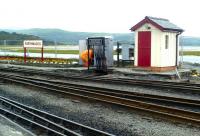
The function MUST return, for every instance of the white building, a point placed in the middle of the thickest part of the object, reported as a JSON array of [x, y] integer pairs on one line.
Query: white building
[[156, 44], [127, 52]]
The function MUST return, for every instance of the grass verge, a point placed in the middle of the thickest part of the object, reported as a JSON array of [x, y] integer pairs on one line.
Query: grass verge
[[45, 51], [194, 53]]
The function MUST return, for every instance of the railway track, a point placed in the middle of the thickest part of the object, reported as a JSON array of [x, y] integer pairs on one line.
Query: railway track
[[184, 87], [44, 123], [125, 94], [154, 83], [141, 102]]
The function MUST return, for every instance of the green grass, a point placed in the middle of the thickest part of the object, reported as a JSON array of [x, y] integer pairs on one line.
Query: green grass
[[53, 51], [31, 50], [45, 51], [194, 53], [20, 49]]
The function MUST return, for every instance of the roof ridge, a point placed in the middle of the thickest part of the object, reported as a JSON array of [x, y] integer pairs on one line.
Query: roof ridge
[[160, 23], [149, 17]]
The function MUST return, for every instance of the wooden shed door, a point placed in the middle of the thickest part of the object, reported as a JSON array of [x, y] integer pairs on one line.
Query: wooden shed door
[[144, 49]]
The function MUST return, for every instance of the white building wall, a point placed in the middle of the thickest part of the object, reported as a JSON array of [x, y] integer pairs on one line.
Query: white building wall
[[82, 47], [168, 56], [136, 49], [155, 48], [125, 51], [179, 48]]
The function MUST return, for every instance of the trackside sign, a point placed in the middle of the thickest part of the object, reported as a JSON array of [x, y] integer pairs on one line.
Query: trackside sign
[[33, 44], [99, 41]]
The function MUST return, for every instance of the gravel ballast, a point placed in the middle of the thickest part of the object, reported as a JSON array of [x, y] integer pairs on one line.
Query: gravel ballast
[[112, 119], [9, 128]]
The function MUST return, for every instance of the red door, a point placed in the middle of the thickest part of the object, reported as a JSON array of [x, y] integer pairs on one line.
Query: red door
[[144, 49]]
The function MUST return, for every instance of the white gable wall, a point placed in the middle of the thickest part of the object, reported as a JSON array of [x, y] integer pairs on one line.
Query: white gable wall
[[155, 44], [155, 48], [136, 49]]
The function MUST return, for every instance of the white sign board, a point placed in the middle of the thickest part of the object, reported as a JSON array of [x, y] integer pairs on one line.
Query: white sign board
[[33, 44]]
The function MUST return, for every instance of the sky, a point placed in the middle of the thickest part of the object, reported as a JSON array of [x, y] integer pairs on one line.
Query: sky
[[114, 16]]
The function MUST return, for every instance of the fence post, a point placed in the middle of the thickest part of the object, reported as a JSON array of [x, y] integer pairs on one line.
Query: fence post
[[4, 42], [42, 54], [24, 55], [55, 44]]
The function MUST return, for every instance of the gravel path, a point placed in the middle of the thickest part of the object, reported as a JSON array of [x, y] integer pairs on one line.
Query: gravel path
[[113, 119]]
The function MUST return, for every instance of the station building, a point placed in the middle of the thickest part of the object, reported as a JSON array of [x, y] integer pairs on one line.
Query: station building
[[156, 44]]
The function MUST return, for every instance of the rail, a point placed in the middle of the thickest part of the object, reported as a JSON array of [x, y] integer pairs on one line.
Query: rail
[[65, 127], [129, 101]]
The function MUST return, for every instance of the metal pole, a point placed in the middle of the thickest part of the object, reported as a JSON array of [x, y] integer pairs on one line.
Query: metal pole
[[24, 55], [117, 54], [88, 58]]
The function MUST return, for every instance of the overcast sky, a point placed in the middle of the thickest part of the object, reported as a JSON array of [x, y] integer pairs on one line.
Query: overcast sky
[[97, 15]]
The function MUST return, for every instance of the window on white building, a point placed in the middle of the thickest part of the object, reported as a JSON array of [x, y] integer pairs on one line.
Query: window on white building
[[166, 41]]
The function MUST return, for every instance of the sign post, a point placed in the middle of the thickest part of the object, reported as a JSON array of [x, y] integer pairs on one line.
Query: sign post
[[33, 44]]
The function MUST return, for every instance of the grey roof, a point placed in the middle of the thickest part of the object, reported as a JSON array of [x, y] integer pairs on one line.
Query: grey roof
[[165, 23]]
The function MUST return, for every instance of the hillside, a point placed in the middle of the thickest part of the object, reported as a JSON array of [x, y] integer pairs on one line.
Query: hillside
[[187, 40], [13, 38], [67, 37]]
